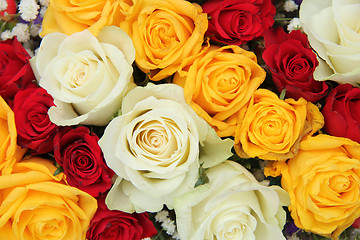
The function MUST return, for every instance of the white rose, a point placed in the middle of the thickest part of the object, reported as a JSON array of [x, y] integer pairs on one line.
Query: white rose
[[87, 76], [333, 30], [156, 148], [233, 205]]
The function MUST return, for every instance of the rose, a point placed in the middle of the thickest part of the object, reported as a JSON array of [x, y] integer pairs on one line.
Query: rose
[[80, 156], [238, 21], [341, 117], [156, 148], [86, 76], [10, 152], [70, 17], [34, 128], [292, 63], [323, 181], [332, 31], [233, 205], [273, 128], [116, 225], [218, 85], [165, 33], [37, 205], [15, 70], [356, 224]]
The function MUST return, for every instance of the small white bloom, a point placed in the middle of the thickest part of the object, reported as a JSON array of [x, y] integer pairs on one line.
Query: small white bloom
[[265, 182], [169, 226], [27, 46], [294, 24], [7, 34], [3, 5], [44, 3], [161, 216], [42, 11], [290, 6], [176, 236], [30, 52], [21, 31], [293, 237], [28, 9], [34, 30]]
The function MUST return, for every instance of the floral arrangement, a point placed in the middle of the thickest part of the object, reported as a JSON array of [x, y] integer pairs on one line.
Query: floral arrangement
[[176, 119]]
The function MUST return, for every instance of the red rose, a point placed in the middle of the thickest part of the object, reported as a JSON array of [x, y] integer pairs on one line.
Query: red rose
[[116, 225], [81, 158], [341, 112], [238, 21], [356, 224], [34, 128], [11, 8], [292, 64], [15, 70]]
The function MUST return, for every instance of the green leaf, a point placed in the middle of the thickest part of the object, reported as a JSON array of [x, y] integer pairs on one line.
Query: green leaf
[[58, 170], [282, 94], [203, 178]]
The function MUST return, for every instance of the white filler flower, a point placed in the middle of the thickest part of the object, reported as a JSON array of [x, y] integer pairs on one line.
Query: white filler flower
[[28, 9]]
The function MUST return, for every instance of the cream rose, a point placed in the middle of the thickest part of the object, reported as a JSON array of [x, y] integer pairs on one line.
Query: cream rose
[[156, 148], [233, 205], [86, 76], [332, 27]]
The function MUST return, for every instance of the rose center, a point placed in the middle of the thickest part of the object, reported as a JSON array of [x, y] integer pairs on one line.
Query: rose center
[[77, 74], [161, 33], [45, 228], [339, 183], [152, 140], [227, 83]]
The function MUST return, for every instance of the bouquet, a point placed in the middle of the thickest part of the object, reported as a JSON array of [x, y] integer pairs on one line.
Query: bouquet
[[176, 119]]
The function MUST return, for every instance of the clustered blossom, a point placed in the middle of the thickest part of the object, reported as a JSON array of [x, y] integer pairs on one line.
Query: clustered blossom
[[166, 223], [44, 3], [3, 5], [21, 31], [5, 35], [28, 9], [290, 6], [294, 24]]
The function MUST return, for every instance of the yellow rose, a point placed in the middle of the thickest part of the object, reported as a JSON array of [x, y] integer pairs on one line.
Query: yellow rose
[[219, 84], [323, 181], [69, 17], [273, 128], [164, 34], [10, 152], [36, 205]]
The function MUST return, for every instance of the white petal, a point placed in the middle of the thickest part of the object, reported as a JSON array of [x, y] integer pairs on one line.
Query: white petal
[[120, 39]]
